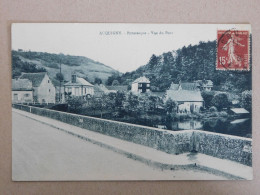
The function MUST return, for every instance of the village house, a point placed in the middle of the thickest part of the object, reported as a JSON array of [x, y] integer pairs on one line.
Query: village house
[[204, 85], [141, 85], [78, 87], [43, 89], [187, 95], [22, 91]]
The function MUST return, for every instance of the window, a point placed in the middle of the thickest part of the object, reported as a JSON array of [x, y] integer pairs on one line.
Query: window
[[49, 90], [27, 95], [48, 81]]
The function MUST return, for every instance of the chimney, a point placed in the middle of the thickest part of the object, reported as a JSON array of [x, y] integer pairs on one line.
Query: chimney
[[73, 78]]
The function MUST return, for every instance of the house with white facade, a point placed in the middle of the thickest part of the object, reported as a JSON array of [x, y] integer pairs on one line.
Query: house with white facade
[[187, 95], [22, 91], [43, 89], [141, 85], [78, 87]]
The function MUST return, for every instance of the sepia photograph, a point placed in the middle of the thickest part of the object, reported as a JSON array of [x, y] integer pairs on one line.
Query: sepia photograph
[[117, 101]]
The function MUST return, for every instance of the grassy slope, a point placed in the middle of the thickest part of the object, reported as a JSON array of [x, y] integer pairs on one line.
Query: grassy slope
[[85, 68]]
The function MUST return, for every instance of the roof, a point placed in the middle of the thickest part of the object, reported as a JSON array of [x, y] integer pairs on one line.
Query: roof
[[142, 80], [79, 82], [118, 87], [174, 86], [21, 85], [239, 111], [98, 91], [97, 88], [205, 83], [188, 86], [183, 86], [184, 95], [158, 94], [35, 78]]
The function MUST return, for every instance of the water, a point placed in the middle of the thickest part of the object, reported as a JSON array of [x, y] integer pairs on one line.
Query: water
[[238, 127]]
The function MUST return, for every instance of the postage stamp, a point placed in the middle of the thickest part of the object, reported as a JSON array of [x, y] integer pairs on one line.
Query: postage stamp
[[233, 50]]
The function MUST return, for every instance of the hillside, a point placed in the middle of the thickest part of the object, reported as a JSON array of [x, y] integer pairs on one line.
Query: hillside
[[27, 61], [188, 64]]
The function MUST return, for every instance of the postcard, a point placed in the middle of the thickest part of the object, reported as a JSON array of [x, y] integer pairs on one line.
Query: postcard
[[100, 101]]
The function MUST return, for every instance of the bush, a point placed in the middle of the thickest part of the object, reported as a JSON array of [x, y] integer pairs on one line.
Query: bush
[[223, 114], [247, 100], [75, 104], [207, 97], [220, 101], [213, 109]]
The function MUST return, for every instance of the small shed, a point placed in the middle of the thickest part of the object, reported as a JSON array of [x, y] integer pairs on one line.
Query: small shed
[[239, 112]]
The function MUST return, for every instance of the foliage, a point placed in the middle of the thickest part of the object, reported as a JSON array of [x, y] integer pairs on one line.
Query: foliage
[[246, 101], [18, 66], [220, 101], [170, 106], [97, 81], [114, 76], [188, 64], [115, 83], [223, 114], [213, 109], [207, 97], [75, 104], [132, 102], [59, 76], [119, 99], [30, 61]]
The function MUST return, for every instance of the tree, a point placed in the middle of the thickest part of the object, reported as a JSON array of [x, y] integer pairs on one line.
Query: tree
[[115, 83], [154, 101], [98, 81], [119, 100], [153, 61], [132, 102], [114, 76], [170, 106], [101, 104], [220, 101], [246, 101], [207, 97], [59, 76], [75, 104]]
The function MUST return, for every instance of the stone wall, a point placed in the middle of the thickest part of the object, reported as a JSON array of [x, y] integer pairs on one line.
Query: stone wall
[[174, 142], [234, 148], [164, 140]]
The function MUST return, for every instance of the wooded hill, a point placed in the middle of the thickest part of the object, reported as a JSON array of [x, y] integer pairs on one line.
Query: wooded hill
[[187, 64], [28, 61]]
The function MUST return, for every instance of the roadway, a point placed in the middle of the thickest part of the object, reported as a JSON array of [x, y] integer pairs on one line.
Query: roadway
[[42, 152]]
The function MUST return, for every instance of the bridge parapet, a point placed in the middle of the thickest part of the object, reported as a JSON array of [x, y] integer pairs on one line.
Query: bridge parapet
[[173, 142]]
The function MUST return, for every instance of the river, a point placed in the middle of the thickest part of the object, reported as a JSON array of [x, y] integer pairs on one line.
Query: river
[[238, 127]]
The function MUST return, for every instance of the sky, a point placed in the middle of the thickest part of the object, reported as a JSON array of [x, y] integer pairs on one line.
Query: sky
[[124, 47]]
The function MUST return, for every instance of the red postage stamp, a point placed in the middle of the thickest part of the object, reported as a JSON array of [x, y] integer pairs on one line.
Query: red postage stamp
[[233, 50]]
